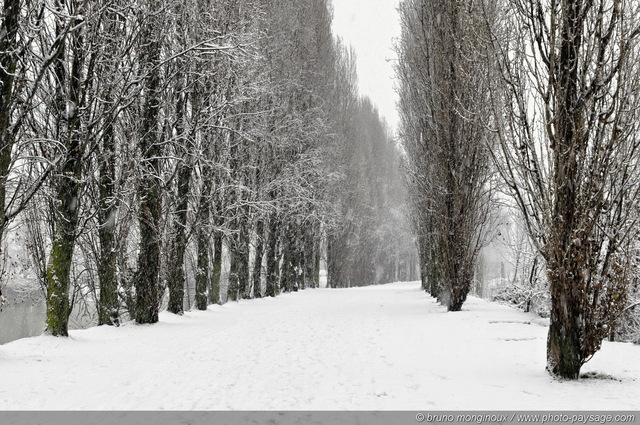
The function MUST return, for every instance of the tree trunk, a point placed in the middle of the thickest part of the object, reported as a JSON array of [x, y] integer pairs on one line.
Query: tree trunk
[[202, 273], [8, 62], [316, 264], [203, 235], [272, 260], [257, 266], [147, 277], [67, 183], [424, 270], [238, 257], [109, 303], [564, 356], [232, 286], [309, 261], [333, 278], [214, 292], [177, 279], [244, 289], [288, 278]]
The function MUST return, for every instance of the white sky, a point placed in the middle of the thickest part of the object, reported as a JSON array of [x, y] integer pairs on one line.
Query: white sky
[[371, 26]]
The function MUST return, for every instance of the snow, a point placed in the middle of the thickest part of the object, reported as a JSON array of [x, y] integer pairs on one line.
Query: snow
[[388, 347]]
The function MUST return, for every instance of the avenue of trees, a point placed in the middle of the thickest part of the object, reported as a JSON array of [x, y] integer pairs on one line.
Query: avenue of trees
[[148, 145], [544, 94], [176, 154]]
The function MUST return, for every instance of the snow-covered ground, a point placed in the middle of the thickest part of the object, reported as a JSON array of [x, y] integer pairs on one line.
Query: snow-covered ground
[[381, 348]]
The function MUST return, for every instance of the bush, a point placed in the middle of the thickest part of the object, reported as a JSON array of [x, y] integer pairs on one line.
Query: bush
[[528, 298]]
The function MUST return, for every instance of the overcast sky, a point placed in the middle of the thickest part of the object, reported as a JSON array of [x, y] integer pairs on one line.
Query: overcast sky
[[371, 26]]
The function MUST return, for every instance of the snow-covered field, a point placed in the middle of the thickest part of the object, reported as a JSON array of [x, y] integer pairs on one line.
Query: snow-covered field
[[381, 348]]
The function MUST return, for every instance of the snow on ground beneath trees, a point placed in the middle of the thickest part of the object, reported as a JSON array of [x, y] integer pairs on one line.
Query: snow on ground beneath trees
[[388, 347]]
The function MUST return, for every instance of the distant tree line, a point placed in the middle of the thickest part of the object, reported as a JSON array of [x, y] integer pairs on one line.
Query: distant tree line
[[544, 94], [143, 144]]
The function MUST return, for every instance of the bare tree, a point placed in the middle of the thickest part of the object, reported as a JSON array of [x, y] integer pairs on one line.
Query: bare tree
[[569, 154], [28, 52], [152, 16], [69, 99], [443, 100]]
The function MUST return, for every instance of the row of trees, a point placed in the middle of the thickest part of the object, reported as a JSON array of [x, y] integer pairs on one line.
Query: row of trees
[[548, 89], [144, 144], [371, 242], [443, 103]]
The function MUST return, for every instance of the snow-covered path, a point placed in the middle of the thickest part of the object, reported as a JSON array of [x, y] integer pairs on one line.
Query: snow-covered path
[[380, 348]]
